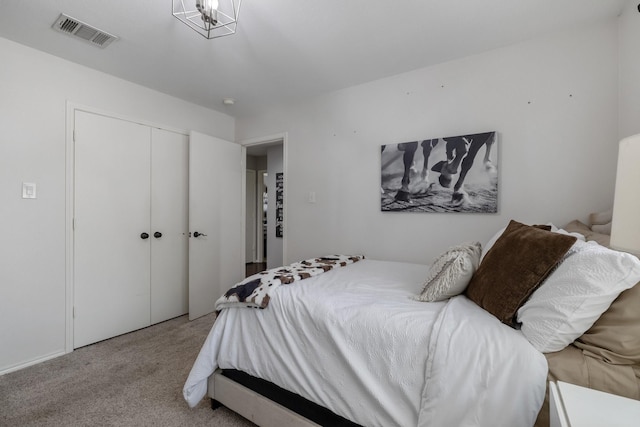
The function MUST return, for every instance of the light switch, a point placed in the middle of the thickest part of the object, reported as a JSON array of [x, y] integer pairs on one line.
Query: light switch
[[311, 198], [28, 190]]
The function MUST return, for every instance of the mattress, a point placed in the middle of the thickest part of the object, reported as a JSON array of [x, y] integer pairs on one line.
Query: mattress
[[354, 341]]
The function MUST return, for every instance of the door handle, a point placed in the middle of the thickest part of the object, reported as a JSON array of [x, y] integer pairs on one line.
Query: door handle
[[144, 236], [157, 234], [197, 234]]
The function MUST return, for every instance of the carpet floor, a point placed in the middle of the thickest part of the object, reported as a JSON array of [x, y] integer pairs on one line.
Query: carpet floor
[[134, 379]]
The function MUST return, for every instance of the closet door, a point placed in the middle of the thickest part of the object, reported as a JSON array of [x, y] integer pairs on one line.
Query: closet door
[[111, 215], [169, 225]]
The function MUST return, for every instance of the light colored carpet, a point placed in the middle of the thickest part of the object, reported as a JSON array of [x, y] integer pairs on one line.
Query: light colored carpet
[[131, 380]]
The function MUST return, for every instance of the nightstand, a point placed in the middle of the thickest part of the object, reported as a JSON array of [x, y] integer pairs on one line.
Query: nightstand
[[574, 406]]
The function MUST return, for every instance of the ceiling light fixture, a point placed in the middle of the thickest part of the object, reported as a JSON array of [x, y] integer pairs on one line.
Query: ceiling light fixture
[[209, 18]]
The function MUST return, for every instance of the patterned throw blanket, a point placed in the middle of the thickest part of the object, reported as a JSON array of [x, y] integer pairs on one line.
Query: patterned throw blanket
[[255, 291]]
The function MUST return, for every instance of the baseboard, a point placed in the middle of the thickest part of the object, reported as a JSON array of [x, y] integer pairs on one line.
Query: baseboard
[[31, 362]]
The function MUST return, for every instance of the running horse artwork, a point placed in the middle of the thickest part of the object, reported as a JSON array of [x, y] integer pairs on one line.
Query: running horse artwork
[[407, 169]]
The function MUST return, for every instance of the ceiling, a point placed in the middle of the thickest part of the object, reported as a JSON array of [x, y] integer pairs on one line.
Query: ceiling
[[288, 50]]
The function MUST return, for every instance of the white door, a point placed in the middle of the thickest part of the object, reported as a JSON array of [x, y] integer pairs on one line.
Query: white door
[[250, 222], [111, 213], [216, 260], [169, 225]]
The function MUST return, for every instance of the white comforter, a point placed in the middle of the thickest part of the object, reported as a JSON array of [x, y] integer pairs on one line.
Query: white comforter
[[353, 341]]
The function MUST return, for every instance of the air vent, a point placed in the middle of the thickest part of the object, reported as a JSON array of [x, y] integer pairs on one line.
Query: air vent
[[73, 27]]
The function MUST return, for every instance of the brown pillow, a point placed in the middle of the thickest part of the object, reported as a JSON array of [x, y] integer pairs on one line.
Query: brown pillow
[[615, 337], [514, 267]]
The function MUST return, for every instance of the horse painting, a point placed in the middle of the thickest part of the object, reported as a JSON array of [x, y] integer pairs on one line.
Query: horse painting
[[407, 183]]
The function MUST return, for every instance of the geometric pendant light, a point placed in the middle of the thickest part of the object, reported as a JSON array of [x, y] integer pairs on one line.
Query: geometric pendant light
[[209, 18]]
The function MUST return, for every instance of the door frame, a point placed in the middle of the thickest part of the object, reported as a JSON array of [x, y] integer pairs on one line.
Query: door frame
[[71, 108], [261, 140]]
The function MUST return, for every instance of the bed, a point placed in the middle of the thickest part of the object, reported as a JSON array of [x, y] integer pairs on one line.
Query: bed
[[378, 343]]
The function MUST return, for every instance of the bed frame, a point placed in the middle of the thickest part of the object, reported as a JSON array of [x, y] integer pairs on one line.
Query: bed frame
[[252, 405], [266, 404]]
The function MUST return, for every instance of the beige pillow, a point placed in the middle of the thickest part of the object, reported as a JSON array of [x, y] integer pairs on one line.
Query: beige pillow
[[451, 272], [576, 226], [514, 267], [615, 337]]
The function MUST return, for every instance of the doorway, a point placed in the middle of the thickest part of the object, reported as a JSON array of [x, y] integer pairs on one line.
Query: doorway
[[264, 240]]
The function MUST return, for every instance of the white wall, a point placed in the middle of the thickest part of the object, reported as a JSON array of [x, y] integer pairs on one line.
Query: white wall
[[274, 244], [553, 100], [34, 89], [629, 70]]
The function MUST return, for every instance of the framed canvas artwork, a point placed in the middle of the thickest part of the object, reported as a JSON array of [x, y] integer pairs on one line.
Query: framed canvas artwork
[[451, 174]]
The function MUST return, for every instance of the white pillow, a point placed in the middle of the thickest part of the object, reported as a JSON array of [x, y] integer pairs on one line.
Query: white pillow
[[574, 296], [451, 272], [568, 233], [491, 242]]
